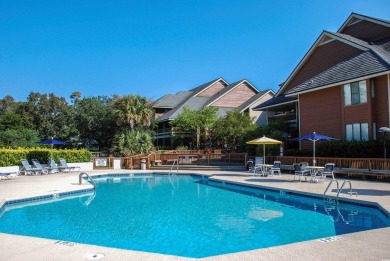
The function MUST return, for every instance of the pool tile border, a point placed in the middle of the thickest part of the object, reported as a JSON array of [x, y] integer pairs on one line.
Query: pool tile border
[[372, 205]]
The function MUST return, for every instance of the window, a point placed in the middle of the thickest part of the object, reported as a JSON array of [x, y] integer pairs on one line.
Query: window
[[374, 130], [355, 93], [372, 89], [356, 131]]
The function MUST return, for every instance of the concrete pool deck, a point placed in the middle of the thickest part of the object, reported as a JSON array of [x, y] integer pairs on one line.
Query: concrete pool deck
[[368, 245]]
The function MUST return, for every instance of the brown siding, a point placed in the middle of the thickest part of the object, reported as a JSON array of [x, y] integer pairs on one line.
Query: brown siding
[[320, 112], [367, 31], [324, 57], [380, 104], [213, 89], [358, 113], [236, 97]]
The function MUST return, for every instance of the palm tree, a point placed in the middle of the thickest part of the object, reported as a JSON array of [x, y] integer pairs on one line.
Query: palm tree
[[133, 111]]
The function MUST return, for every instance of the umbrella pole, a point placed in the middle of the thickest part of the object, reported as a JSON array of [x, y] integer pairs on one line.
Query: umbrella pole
[[263, 153], [314, 153]]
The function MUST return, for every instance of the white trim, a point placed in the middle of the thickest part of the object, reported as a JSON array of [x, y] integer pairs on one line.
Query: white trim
[[219, 79], [339, 83], [249, 105], [388, 95], [312, 49], [346, 41], [361, 17], [299, 122]]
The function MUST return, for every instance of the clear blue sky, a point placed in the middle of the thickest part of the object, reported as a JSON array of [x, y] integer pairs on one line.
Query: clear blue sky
[[153, 48]]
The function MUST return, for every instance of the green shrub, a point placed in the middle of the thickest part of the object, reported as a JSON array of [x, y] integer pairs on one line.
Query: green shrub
[[182, 148], [351, 149], [12, 157]]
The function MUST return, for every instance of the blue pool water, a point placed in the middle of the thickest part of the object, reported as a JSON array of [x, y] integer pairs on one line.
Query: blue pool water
[[184, 216]]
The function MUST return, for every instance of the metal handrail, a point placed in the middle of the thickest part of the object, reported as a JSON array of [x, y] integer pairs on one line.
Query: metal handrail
[[350, 188], [177, 166], [330, 183], [81, 179]]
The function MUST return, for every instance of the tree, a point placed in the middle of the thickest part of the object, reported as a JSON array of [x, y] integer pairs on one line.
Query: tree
[[231, 129], [133, 111], [18, 138], [51, 116], [95, 120], [197, 123], [130, 142]]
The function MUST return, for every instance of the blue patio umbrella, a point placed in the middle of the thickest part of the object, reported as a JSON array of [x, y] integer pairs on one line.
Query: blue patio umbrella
[[314, 137], [52, 142]]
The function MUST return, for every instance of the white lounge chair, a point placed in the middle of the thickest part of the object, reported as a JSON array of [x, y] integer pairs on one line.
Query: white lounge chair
[[64, 166], [53, 167], [27, 169], [38, 165]]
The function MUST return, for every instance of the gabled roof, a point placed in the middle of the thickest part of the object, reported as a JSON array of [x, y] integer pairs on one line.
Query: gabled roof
[[354, 18], [228, 89], [171, 100], [193, 103], [379, 48], [275, 101], [255, 98], [207, 85], [361, 65]]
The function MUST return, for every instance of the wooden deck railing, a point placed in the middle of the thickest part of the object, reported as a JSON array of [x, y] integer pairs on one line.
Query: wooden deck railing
[[353, 163], [216, 157]]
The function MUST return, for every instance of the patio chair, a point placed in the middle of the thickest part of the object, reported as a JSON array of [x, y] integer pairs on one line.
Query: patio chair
[[276, 168], [65, 167], [38, 165], [301, 172], [328, 171], [27, 169], [252, 165]]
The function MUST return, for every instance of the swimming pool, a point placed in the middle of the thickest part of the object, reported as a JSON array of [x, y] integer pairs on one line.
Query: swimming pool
[[185, 216]]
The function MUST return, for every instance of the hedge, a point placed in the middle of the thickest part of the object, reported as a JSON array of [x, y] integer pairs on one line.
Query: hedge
[[12, 157]]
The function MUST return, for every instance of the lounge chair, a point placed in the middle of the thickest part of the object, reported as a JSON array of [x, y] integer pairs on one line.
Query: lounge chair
[[65, 167], [328, 171], [53, 167], [38, 165], [9, 175], [27, 169], [276, 168], [301, 172]]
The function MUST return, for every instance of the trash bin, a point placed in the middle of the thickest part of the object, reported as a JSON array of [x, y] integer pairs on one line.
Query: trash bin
[[143, 164], [117, 163]]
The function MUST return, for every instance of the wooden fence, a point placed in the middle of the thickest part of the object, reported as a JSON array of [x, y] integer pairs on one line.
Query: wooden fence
[[216, 158], [353, 163]]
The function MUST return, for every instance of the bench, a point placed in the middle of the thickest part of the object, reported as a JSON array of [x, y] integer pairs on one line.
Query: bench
[[156, 162]]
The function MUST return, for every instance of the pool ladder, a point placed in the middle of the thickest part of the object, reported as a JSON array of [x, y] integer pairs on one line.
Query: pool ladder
[[177, 166], [86, 174], [350, 193]]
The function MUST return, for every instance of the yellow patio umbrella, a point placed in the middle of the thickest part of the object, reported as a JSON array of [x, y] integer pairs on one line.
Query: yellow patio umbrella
[[264, 141]]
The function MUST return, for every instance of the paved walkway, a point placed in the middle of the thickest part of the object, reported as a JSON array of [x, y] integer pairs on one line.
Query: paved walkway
[[368, 245]]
